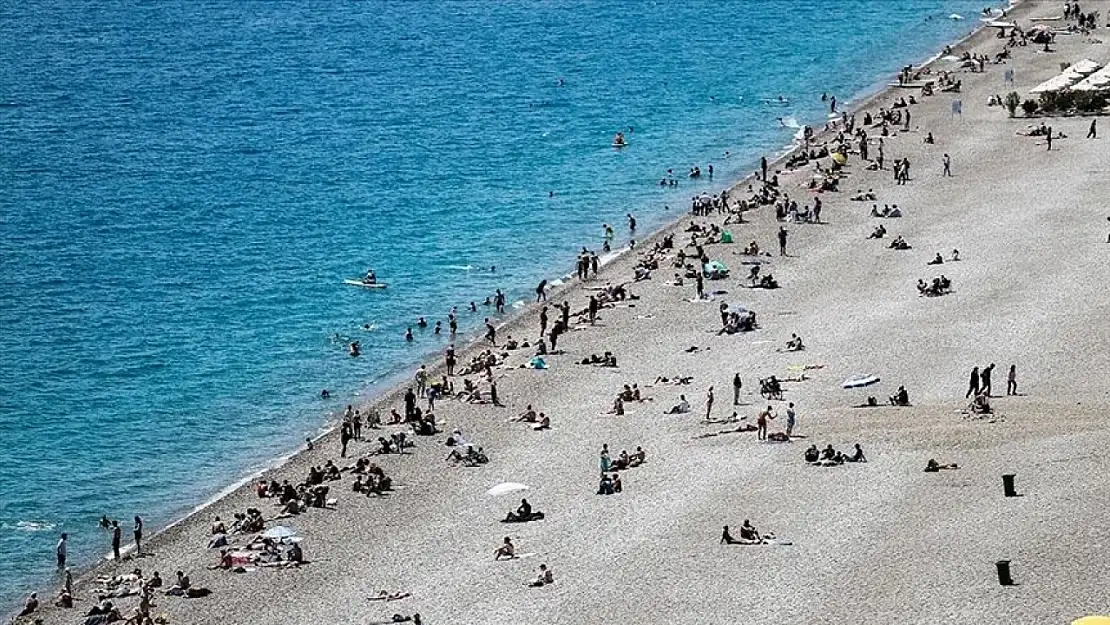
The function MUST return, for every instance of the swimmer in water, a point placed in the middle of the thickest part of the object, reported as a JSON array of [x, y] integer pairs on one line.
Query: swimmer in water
[[408, 335], [438, 328], [473, 308], [421, 323]]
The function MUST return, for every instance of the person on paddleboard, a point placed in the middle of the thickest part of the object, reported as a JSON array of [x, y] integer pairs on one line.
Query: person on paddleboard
[[371, 277]]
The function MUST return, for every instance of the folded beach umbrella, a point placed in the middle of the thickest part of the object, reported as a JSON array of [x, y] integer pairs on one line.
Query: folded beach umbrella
[[279, 532], [1092, 620], [860, 381], [505, 488]]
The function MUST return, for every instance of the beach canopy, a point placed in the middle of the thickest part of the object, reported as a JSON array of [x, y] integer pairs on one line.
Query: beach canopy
[[1092, 620], [505, 488], [279, 532]]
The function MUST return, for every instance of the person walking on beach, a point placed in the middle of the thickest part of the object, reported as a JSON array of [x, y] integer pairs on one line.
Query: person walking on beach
[[973, 383], [763, 167], [782, 240], [947, 166], [137, 531], [345, 436], [62, 550], [117, 537], [985, 379], [541, 291], [737, 384], [543, 321], [708, 403], [1092, 132], [1011, 381], [491, 332]]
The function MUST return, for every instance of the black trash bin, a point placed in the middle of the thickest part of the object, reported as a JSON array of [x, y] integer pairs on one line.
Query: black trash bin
[[1008, 485], [1004, 578]]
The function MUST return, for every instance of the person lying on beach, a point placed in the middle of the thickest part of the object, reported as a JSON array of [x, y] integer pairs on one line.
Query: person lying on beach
[[933, 466], [675, 380], [385, 595], [402, 618], [543, 578], [507, 550], [682, 407]]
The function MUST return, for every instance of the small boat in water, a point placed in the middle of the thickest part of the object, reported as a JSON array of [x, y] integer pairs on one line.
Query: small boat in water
[[366, 285]]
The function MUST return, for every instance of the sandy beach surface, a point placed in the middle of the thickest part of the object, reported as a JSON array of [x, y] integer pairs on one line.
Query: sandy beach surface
[[876, 542]]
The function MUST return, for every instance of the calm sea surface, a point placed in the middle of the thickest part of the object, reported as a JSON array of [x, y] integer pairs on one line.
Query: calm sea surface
[[184, 186]]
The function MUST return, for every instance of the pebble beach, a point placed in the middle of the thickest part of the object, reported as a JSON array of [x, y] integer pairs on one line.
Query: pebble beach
[[875, 542]]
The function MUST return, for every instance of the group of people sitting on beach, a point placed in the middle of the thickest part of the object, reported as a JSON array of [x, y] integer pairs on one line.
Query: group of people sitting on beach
[[830, 457], [939, 286], [748, 536], [888, 212], [540, 420]]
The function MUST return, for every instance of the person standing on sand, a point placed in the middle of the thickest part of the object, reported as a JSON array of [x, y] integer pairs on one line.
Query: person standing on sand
[[421, 379], [117, 538], [973, 383], [1049, 138], [985, 379], [737, 384], [761, 423], [543, 321], [708, 403], [1092, 132], [541, 291], [604, 460], [62, 550], [700, 284], [947, 166], [782, 240], [449, 359], [137, 531], [791, 419], [345, 436], [593, 309], [491, 332], [566, 315], [763, 167], [1011, 381]]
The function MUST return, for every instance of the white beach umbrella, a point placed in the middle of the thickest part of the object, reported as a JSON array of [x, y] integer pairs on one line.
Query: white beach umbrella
[[279, 532], [505, 488]]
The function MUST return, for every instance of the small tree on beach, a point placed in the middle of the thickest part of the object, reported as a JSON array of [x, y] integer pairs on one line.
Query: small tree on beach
[[1013, 101], [1030, 107]]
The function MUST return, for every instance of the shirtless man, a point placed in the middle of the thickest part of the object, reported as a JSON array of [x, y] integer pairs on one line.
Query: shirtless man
[[761, 423], [506, 550]]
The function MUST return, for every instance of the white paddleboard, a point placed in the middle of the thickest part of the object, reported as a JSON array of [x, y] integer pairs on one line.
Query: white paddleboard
[[365, 285]]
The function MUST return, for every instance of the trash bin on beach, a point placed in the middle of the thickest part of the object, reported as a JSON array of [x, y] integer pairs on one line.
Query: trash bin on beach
[[1004, 578], [1008, 485]]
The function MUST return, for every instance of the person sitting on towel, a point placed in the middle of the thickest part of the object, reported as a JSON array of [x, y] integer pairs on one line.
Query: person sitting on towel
[[878, 233], [506, 550], [938, 260], [682, 407], [749, 533], [900, 398], [812, 454]]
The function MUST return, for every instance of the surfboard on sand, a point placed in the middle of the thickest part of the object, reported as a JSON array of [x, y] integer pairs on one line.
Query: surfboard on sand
[[366, 285]]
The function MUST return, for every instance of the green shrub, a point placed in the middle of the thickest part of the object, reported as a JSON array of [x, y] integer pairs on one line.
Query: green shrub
[[1048, 102], [1012, 101]]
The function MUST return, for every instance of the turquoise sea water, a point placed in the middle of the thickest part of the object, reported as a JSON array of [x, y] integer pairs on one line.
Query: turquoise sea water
[[183, 187]]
